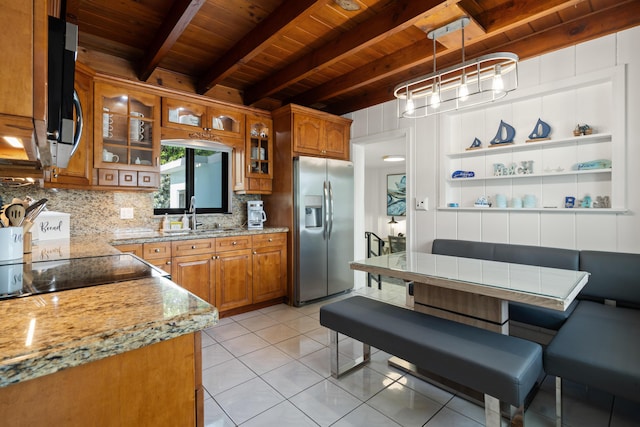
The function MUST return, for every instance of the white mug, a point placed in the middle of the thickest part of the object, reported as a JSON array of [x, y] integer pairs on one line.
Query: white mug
[[11, 242], [108, 156]]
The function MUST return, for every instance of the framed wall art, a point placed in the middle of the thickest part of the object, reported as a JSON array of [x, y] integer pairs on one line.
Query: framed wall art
[[397, 194]]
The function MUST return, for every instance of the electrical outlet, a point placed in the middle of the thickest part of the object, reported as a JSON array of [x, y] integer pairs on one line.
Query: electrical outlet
[[126, 213], [422, 205]]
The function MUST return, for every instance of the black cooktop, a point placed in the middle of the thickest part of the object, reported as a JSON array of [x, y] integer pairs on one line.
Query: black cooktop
[[25, 279]]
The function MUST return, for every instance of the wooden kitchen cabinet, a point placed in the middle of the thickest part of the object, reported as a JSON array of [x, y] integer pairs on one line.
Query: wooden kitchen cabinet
[[23, 77], [313, 133], [233, 279], [159, 255], [216, 122], [235, 273], [132, 248], [126, 137], [269, 266], [254, 165], [79, 172], [193, 266], [158, 384], [197, 274]]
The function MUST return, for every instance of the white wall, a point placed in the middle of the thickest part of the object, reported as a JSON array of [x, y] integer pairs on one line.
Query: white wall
[[602, 231]]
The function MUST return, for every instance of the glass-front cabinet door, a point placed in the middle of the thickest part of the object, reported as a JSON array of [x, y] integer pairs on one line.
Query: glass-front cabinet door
[[125, 130], [183, 115], [182, 119], [259, 148]]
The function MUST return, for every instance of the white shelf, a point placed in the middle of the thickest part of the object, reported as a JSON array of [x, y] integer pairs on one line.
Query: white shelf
[[554, 210], [596, 137], [534, 175]]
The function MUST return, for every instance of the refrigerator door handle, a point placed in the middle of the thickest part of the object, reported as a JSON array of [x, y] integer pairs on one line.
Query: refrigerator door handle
[[330, 203], [325, 200]]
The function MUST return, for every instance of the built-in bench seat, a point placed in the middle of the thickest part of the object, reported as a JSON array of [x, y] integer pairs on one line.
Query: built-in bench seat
[[596, 342], [598, 345], [502, 367]]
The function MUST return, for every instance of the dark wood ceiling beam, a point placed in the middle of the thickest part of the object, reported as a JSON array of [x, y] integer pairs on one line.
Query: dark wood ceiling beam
[[255, 41], [394, 18], [402, 60], [511, 14], [607, 21], [176, 21], [422, 51]]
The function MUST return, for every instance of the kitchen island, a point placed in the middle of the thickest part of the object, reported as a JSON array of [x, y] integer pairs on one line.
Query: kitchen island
[[124, 353]]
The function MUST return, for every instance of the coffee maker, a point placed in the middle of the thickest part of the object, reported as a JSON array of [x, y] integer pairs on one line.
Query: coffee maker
[[255, 215]]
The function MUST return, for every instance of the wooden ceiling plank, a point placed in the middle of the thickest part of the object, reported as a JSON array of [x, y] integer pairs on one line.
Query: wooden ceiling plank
[[624, 15], [180, 15], [399, 61], [396, 17], [413, 56], [255, 41], [511, 14]]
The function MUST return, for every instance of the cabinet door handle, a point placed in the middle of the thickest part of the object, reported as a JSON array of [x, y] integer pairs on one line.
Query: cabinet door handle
[[168, 262], [215, 257], [270, 239], [255, 252], [234, 243], [156, 250], [193, 246]]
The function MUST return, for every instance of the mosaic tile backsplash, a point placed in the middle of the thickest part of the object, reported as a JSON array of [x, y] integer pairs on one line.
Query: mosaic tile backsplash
[[98, 212]]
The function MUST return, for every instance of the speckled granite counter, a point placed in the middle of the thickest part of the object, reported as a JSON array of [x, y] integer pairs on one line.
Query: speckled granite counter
[[45, 333], [148, 236]]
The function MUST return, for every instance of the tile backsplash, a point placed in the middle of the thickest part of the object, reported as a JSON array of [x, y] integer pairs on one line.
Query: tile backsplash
[[98, 212]]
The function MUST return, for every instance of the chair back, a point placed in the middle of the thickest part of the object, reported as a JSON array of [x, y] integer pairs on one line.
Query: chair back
[[397, 244]]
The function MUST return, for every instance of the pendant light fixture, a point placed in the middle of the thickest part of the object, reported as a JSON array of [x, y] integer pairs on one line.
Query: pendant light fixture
[[470, 83]]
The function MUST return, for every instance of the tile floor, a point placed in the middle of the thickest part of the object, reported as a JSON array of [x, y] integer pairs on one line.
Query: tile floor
[[270, 367]]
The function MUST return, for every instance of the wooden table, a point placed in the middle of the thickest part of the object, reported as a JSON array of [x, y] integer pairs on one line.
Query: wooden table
[[475, 291]]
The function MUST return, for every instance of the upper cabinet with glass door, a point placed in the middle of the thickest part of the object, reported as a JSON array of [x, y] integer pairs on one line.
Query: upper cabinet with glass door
[[189, 120], [125, 128]]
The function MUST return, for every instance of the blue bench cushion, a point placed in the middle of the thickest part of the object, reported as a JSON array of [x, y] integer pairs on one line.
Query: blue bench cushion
[[463, 248], [598, 346], [614, 276], [540, 316], [501, 366]]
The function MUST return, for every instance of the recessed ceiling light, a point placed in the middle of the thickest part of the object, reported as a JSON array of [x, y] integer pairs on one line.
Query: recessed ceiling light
[[14, 142], [349, 5], [393, 158]]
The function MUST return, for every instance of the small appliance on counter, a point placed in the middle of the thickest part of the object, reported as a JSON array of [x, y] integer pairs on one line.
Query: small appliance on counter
[[255, 215]]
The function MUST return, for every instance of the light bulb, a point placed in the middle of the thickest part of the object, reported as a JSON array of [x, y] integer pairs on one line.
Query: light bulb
[[410, 108], [435, 98], [498, 84], [463, 92]]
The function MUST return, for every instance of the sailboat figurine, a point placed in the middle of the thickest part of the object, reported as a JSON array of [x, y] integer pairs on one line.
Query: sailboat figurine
[[540, 132], [475, 145], [505, 135]]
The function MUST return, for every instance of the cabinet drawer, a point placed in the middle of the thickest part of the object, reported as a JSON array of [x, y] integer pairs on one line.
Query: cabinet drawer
[[233, 243], [133, 248], [270, 239], [127, 178], [148, 179], [107, 177], [193, 247], [156, 250]]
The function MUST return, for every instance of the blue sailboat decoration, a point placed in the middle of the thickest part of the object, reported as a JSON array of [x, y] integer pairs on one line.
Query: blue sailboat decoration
[[540, 132], [475, 145], [506, 134]]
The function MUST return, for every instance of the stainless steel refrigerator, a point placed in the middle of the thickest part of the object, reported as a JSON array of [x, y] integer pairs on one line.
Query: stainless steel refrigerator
[[323, 227]]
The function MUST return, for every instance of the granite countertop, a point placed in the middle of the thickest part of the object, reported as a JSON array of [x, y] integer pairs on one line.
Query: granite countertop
[[150, 236], [45, 333]]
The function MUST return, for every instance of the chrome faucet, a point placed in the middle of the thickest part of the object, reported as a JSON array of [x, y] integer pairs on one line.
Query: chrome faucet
[[192, 211]]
